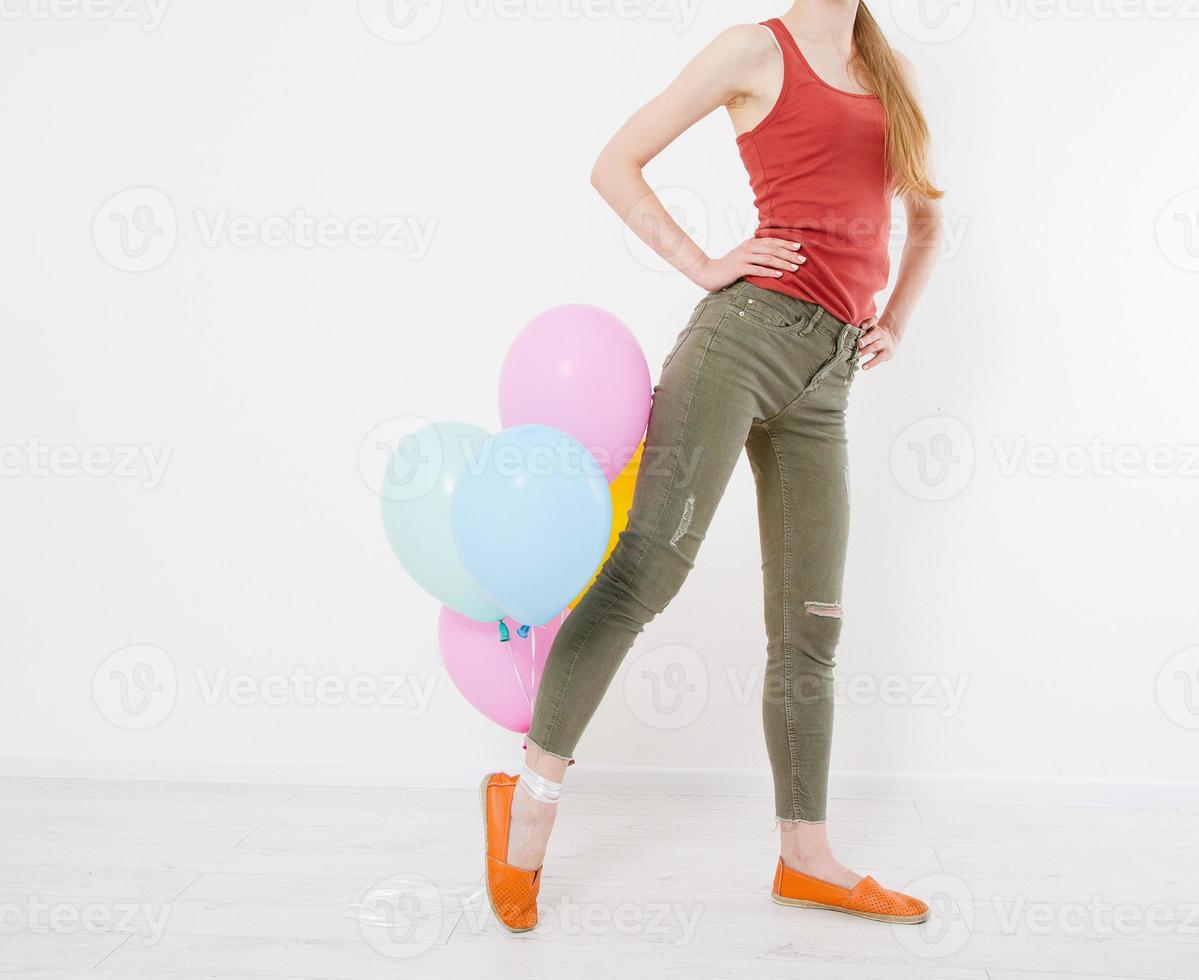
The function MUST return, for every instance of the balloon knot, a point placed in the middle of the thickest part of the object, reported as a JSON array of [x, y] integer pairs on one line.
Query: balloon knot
[[523, 632], [504, 637]]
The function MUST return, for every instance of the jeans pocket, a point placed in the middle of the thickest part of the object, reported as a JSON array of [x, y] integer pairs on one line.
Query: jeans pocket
[[758, 312]]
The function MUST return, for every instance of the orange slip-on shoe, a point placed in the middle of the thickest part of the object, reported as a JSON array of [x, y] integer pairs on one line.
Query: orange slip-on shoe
[[511, 891], [867, 898]]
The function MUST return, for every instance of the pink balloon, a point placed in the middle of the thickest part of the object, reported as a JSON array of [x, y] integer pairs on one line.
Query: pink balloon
[[499, 679], [579, 369]]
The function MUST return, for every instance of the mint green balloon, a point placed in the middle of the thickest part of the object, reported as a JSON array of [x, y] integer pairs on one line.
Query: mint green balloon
[[417, 491]]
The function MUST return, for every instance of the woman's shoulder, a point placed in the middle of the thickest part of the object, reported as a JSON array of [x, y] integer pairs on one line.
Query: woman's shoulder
[[745, 43]]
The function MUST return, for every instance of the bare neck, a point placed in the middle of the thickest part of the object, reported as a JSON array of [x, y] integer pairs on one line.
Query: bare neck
[[825, 21]]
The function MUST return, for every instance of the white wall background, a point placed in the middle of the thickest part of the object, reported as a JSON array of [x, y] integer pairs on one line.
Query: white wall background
[[1063, 317]]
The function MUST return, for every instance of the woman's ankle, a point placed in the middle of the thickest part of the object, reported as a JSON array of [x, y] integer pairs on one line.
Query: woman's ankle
[[805, 847], [824, 867], [529, 831]]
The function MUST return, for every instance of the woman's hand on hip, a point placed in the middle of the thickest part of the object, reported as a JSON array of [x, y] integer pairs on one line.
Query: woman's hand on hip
[[769, 257], [878, 343]]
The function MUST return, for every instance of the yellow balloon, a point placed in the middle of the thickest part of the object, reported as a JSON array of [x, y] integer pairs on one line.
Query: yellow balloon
[[622, 502]]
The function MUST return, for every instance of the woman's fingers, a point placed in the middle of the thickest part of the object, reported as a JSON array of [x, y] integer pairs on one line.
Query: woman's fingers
[[777, 243], [777, 250], [761, 270], [877, 358], [871, 340], [774, 261]]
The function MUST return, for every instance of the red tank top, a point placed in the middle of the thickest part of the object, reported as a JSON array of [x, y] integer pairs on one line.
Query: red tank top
[[817, 165]]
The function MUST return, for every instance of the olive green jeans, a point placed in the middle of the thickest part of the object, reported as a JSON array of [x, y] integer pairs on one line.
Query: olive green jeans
[[762, 371]]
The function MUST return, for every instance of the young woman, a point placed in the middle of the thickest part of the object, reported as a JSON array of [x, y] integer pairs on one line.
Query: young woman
[[830, 131]]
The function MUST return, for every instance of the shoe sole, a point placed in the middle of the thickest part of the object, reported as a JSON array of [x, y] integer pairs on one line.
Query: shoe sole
[[486, 854], [898, 919]]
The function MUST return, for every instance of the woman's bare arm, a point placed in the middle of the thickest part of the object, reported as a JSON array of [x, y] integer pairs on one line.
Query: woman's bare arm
[[716, 77], [920, 252]]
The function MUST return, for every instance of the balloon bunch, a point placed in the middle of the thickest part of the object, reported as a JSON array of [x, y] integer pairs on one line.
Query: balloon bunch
[[507, 530]]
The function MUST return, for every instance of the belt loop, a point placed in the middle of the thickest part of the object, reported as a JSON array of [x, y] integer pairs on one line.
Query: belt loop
[[813, 320]]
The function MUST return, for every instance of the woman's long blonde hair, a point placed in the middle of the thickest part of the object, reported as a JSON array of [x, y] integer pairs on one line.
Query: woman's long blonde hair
[[907, 130]]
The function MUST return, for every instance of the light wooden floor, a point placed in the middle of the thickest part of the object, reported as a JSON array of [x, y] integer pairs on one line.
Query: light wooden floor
[[227, 882]]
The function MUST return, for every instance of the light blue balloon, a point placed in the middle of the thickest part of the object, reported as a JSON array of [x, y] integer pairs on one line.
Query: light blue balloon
[[532, 523], [417, 492]]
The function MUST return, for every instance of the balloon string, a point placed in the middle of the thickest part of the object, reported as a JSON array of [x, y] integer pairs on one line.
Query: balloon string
[[519, 680], [529, 691], [532, 664]]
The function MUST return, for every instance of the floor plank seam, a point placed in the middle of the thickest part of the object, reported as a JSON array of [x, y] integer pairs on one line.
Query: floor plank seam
[[252, 832], [188, 886], [457, 922], [97, 966], [937, 855]]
